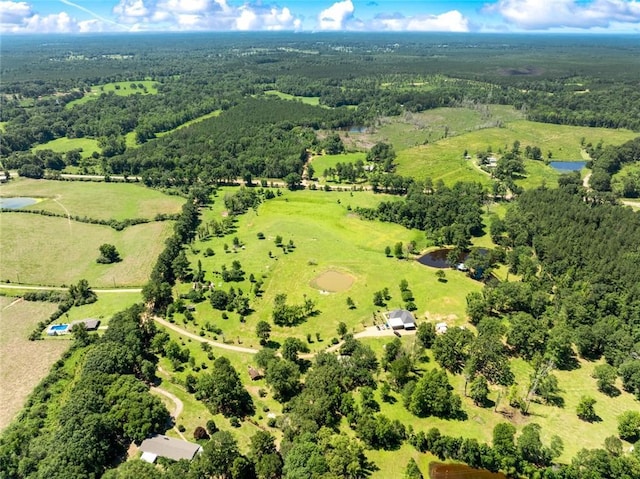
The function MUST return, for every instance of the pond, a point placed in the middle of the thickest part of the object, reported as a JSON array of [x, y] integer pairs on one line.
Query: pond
[[567, 166], [16, 202], [436, 259], [460, 471], [355, 129]]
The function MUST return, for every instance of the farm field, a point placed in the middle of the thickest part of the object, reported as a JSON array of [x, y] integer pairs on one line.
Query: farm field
[[68, 251], [445, 160], [62, 145], [98, 200], [23, 363], [323, 162], [122, 88]]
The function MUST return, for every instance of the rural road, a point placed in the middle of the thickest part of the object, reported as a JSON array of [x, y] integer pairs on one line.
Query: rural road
[[370, 332], [216, 344], [60, 288]]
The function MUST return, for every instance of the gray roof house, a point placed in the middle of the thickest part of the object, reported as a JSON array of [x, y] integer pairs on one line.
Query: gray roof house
[[401, 319], [90, 324], [164, 446]]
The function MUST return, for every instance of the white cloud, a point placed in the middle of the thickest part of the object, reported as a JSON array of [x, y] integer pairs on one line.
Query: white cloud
[[544, 14], [14, 12], [337, 16], [19, 17], [203, 15], [452, 21]]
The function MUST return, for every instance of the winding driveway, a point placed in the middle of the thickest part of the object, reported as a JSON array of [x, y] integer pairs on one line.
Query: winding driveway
[[370, 332], [179, 406]]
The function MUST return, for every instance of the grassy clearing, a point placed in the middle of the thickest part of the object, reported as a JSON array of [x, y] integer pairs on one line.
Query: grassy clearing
[[444, 159], [23, 363], [414, 129], [121, 88], [327, 236], [62, 145], [323, 162], [94, 199], [107, 305], [68, 251], [308, 100], [213, 114]]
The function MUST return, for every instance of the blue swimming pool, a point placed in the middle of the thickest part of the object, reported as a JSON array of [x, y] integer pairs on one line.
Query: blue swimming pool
[[58, 328]]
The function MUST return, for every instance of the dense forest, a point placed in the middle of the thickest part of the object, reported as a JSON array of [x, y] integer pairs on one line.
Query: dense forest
[[573, 252]]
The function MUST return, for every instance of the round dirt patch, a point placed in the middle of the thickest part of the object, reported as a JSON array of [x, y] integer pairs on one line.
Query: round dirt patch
[[333, 281]]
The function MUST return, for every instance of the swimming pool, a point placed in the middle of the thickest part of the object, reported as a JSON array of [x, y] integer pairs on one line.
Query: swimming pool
[[58, 329]]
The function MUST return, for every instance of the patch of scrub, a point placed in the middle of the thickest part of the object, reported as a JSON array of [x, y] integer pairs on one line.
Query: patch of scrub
[[332, 281]]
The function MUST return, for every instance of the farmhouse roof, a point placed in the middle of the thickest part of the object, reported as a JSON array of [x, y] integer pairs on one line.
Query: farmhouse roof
[[254, 374], [90, 324], [170, 448], [403, 314]]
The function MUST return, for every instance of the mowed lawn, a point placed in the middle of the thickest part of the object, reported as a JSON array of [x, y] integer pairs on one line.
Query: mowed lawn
[[97, 200], [445, 159], [327, 237], [23, 363], [53, 251], [62, 145]]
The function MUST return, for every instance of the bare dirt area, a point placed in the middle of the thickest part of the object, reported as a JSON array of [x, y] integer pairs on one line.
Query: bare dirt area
[[23, 363], [333, 281]]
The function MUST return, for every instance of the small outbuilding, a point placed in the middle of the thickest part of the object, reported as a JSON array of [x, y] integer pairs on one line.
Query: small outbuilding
[[255, 374], [164, 446], [441, 328], [401, 319]]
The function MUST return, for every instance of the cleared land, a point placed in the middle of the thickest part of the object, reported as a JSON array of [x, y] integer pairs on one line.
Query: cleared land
[[98, 200], [62, 145], [122, 88], [53, 251], [23, 363], [327, 236], [309, 100], [445, 158]]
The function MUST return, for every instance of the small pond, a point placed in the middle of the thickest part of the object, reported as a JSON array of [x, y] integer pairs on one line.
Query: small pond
[[460, 471], [355, 129], [566, 166], [436, 259], [17, 202]]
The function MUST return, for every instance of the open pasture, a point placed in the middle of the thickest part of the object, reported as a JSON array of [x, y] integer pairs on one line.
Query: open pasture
[[308, 100], [445, 159], [53, 251], [323, 162], [327, 236], [23, 363], [62, 145], [121, 88], [414, 129], [98, 200]]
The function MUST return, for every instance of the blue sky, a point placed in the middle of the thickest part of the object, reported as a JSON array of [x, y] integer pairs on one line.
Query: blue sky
[[553, 16]]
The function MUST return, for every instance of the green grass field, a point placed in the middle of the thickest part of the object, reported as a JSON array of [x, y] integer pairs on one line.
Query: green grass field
[[327, 236], [122, 88], [444, 159], [53, 251], [98, 200], [62, 145], [322, 162], [414, 129], [309, 100]]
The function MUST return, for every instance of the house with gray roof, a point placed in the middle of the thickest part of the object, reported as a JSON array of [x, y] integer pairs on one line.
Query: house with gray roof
[[164, 446], [401, 319]]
